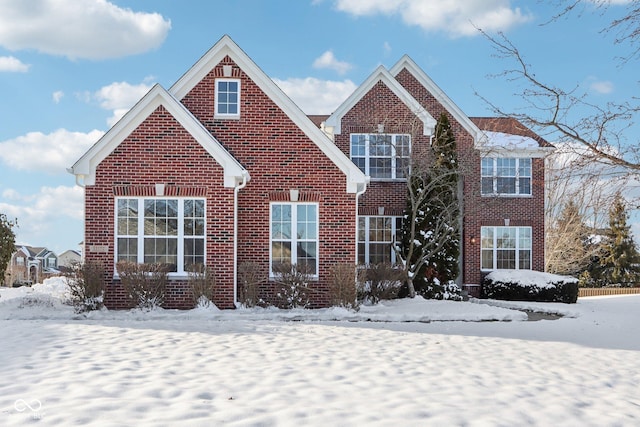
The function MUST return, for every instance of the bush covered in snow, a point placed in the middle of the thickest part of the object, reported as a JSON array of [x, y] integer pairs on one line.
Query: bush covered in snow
[[529, 285], [202, 281], [380, 282], [145, 284], [86, 286], [293, 284], [443, 291]]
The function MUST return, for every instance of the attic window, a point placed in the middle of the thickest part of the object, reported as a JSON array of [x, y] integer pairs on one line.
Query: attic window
[[227, 98]]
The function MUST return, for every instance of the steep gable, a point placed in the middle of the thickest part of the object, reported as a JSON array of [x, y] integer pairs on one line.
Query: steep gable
[[406, 63], [380, 75], [226, 48], [85, 168]]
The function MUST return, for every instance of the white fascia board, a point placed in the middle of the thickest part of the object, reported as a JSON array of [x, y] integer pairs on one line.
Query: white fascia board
[[381, 74], [434, 89], [226, 46], [86, 166], [513, 152]]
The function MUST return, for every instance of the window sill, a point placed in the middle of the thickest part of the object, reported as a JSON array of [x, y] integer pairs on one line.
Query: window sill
[[226, 116], [508, 196]]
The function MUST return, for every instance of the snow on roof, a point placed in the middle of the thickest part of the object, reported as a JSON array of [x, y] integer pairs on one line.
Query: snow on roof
[[506, 140]]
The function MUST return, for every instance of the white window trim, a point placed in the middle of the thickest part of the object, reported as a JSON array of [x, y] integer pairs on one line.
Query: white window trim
[[294, 239], [516, 249], [494, 177], [140, 242], [394, 157], [218, 115], [367, 242]]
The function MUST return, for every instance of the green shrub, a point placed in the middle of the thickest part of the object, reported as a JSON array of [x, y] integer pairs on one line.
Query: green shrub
[[441, 291], [144, 284], [86, 286], [528, 285]]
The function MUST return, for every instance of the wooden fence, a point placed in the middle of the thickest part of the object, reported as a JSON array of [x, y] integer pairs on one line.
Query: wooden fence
[[596, 292]]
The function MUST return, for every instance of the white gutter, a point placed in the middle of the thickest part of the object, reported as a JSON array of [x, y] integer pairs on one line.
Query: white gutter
[[236, 190]]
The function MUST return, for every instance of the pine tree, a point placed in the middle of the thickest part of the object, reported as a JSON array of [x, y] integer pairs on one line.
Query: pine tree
[[571, 235], [620, 264], [7, 242]]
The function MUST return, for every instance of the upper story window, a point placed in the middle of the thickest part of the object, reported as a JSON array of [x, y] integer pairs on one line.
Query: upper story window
[[161, 231], [51, 262], [20, 260], [375, 238], [227, 98], [506, 176], [506, 248], [381, 156]]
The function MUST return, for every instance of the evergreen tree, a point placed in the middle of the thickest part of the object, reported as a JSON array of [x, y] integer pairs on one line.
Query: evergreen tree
[[431, 229], [7, 242], [621, 261], [571, 235]]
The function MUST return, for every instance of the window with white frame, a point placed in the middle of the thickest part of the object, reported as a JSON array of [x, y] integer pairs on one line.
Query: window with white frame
[[506, 176], [20, 260], [381, 156], [51, 262], [294, 235], [375, 237], [227, 98], [506, 248], [169, 231]]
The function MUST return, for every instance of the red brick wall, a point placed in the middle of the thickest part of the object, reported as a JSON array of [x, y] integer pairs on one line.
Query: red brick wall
[[279, 157], [478, 210], [161, 151], [381, 106]]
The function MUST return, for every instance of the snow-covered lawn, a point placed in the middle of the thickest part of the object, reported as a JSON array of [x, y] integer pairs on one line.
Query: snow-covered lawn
[[384, 365]]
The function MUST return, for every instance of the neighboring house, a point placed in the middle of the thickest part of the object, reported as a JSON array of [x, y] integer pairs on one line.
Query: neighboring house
[[68, 258], [224, 169], [30, 265]]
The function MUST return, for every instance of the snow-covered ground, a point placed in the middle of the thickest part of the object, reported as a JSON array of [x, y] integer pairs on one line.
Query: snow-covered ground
[[402, 363]]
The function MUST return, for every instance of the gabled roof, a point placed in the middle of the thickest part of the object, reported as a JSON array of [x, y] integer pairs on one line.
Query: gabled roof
[[381, 75], [85, 167], [227, 47], [508, 137], [407, 63]]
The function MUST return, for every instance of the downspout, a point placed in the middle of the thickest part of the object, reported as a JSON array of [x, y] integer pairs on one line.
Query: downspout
[[236, 190], [358, 194]]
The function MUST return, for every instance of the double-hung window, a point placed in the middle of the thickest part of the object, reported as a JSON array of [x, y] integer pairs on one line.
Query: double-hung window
[[375, 237], [506, 248], [168, 231], [506, 176], [294, 236], [227, 98], [381, 156]]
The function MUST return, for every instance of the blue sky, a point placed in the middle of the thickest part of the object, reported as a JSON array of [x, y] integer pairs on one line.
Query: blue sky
[[70, 68]]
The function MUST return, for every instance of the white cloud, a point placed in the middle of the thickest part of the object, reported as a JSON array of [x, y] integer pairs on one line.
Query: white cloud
[[93, 29], [47, 217], [51, 153], [328, 60], [455, 17], [12, 64], [120, 97], [316, 96], [602, 87], [57, 96]]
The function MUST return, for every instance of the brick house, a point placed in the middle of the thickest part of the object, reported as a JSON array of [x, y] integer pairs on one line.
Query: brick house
[[224, 169], [29, 265]]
